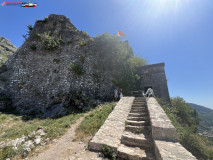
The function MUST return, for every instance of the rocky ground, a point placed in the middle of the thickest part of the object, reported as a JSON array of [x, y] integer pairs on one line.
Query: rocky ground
[[66, 148]]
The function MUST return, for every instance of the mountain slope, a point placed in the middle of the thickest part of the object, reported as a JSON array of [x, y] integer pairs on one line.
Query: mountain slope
[[6, 49], [206, 115], [186, 120]]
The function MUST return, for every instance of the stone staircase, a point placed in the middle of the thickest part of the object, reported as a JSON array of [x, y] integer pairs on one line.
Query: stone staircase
[[136, 141]]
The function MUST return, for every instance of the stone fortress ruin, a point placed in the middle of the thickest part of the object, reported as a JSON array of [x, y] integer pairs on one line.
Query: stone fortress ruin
[[41, 81], [153, 76]]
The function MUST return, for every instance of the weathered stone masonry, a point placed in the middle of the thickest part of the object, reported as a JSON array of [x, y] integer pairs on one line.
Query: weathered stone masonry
[[163, 133], [153, 76], [39, 81]]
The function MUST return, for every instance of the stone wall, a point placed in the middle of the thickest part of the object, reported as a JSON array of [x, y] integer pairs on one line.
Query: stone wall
[[164, 135], [154, 76], [111, 131], [39, 80]]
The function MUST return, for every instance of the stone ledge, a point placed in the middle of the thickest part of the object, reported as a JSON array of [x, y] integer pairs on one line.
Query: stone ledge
[[164, 135], [171, 151], [111, 131], [162, 128]]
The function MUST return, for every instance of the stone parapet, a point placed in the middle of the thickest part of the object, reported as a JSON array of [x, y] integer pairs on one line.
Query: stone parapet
[[171, 151], [162, 128], [111, 131], [164, 135]]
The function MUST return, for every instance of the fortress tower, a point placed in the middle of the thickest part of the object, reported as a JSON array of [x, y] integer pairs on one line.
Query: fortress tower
[[153, 76]]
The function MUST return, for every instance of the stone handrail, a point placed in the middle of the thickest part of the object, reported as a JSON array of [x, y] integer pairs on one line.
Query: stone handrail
[[111, 131], [162, 128], [164, 134]]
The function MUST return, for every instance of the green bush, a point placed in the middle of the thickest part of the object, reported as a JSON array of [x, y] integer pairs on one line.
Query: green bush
[[85, 33], [83, 43], [50, 42], [7, 152], [33, 47], [77, 68], [186, 119], [82, 59], [108, 152], [45, 19], [56, 60], [117, 58], [30, 28]]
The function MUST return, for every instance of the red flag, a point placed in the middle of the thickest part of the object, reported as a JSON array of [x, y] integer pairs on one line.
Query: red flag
[[121, 34]]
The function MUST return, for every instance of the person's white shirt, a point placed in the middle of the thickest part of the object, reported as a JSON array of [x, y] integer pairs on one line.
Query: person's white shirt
[[116, 92]]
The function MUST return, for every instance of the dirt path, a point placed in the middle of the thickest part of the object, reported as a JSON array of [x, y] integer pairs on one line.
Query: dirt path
[[66, 149]]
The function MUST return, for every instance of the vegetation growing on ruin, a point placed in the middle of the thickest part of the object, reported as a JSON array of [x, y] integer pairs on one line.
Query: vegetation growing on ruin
[[92, 122], [117, 57], [33, 47], [185, 119], [76, 68], [85, 33], [49, 42], [29, 30], [108, 152]]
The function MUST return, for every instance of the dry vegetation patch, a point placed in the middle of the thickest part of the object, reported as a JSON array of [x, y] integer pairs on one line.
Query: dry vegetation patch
[[92, 122]]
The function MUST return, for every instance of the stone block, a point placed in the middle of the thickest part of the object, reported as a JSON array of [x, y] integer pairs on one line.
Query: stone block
[[171, 151], [111, 131], [162, 128]]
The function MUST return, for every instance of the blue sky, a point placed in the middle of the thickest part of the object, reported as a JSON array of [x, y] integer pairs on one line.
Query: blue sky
[[176, 32]]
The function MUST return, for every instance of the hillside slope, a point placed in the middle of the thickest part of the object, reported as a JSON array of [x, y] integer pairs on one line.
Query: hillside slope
[[206, 125], [6, 49], [186, 121]]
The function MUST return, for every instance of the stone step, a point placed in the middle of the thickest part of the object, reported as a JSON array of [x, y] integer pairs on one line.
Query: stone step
[[140, 98], [137, 129], [138, 114], [141, 101], [133, 153], [140, 118], [142, 107], [138, 105], [139, 111], [137, 123], [136, 140]]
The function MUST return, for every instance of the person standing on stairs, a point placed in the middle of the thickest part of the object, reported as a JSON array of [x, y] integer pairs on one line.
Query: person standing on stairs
[[121, 93], [116, 94], [150, 93]]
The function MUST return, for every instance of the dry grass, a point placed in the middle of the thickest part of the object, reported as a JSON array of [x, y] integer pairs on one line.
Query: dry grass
[[12, 127], [92, 122]]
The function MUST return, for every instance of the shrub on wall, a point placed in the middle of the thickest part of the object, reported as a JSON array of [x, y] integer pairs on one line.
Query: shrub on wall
[[76, 68], [33, 47], [50, 42]]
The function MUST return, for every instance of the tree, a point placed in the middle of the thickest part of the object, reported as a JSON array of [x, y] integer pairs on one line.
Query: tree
[[117, 57]]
